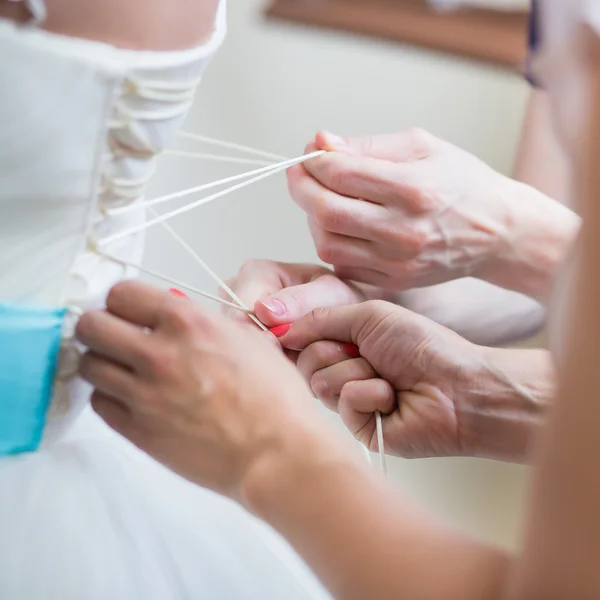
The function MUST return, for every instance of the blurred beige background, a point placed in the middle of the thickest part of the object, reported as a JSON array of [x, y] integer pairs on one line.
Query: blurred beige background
[[273, 86]]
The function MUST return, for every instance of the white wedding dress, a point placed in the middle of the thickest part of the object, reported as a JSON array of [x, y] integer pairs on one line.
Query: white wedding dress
[[83, 514]]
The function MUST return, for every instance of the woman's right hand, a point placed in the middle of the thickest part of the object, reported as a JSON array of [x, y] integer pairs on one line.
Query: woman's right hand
[[281, 293]]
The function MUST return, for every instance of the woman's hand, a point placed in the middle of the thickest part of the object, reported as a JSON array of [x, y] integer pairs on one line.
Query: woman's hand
[[409, 210], [207, 397], [281, 293], [439, 394]]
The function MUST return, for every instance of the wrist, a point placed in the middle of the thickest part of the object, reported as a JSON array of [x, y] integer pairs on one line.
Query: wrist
[[542, 231], [282, 477], [507, 396]]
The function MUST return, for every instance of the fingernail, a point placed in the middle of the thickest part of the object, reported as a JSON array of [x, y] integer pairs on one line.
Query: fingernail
[[179, 293], [274, 306], [352, 350], [280, 330], [335, 140]]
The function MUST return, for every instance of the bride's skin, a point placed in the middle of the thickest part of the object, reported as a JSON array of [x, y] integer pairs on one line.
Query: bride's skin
[[132, 24]]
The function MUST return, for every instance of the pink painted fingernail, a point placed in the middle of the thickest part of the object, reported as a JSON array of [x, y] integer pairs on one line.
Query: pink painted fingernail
[[178, 293], [280, 330]]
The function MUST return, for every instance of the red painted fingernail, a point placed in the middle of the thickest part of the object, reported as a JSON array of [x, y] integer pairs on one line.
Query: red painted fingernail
[[179, 293], [280, 330], [352, 350]]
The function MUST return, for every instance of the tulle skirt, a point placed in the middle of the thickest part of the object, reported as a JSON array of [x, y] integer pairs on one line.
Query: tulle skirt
[[92, 518]]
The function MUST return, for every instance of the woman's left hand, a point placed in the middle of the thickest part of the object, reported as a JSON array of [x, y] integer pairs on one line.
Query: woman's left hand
[[209, 398]]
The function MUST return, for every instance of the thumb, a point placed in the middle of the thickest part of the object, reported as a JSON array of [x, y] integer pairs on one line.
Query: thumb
[[405, 146], [293, 303], [345, 324], [340, 324]]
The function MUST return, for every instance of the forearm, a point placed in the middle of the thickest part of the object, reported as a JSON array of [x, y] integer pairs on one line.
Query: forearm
[[360, 536], [477, 310], [548, 227], [507, 397], [541, 161]]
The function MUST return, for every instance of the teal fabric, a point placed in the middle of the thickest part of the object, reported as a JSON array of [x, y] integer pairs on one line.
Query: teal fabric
[[29, 345]]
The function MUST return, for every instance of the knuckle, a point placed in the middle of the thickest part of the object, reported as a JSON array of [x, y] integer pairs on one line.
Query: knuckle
[[375, 312], [322, 241], [426, 199], [101, 408], [326, 215], [128, 391], [327, 253], [347, 394], [320, 314], [291, 176], [119, 293], [253, 265], [319, 385], [163, 361], [330, 281], [421, 140], [88, 324], [322, 390], [331, 174], [296, 177], [413, 241], [320, 212], [326, 353], [413, 195], [377, 307], [96, 400], [410, 271], [83, 325], [261, 271], [180, 317], [148, 400], [330, 251], [296, 301], [367, 145]]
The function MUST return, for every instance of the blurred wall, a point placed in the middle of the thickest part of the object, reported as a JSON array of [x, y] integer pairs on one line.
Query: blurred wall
[[273, 86]]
